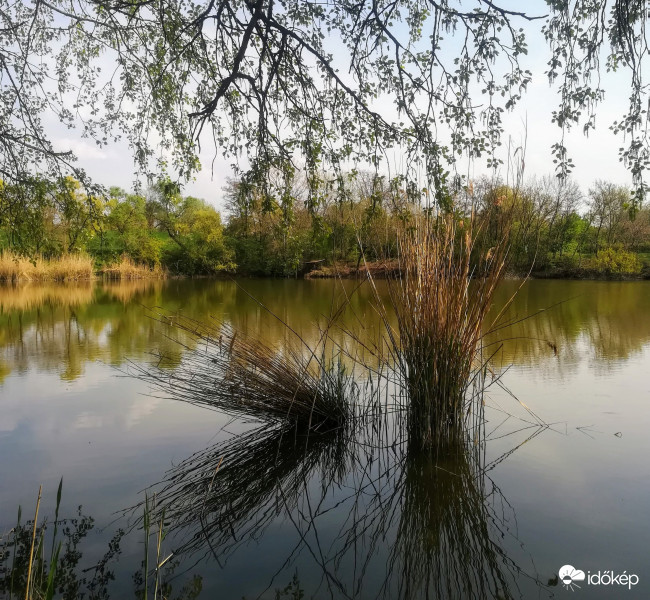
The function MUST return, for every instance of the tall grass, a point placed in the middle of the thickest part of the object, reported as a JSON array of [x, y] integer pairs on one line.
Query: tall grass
[[243, 376], [14, 268], [32, 575], [128, 269], [440, 299]]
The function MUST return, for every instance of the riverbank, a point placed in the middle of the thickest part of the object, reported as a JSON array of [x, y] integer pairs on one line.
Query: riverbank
[[385, 269], [81, 267]]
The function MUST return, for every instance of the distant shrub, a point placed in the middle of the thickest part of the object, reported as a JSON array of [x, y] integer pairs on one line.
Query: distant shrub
[[616, 261], [566, 263]]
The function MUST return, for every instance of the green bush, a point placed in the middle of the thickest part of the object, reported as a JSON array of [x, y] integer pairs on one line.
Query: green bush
[[616, 261], [565, 264]]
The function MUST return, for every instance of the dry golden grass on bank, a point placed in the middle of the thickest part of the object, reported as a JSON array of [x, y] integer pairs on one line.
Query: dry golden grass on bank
[[70, 267], [127, 269]]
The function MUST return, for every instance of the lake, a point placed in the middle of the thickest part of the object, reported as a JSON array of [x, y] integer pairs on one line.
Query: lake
[[562, 477]]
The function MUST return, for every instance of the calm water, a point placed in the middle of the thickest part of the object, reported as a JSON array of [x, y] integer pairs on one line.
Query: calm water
[[340, 515]]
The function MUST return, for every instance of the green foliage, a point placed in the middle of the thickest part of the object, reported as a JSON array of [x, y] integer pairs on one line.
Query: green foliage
[[616, 262], [23, 218], [275, 225], [275, 234], [52, 219], [23, 558], [196, 234], [564, 264], [268, 81]]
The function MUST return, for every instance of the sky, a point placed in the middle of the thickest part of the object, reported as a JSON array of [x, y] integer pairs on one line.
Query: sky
[[595, 157]]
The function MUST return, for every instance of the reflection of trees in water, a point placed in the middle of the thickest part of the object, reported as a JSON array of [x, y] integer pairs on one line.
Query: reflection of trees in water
[[377, 519], [62, 330], [61, 327], [605, 319]]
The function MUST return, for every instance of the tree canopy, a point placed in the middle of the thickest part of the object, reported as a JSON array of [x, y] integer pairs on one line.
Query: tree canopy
[[316, 84]]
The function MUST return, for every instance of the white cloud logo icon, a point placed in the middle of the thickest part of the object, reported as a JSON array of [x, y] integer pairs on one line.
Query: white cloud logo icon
[[569, 576]]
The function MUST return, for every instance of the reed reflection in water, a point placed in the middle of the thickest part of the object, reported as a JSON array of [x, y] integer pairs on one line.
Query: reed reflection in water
[[375, 517], [371, 546]]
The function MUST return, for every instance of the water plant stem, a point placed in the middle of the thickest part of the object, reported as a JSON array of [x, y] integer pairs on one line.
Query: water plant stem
[[31, 551]]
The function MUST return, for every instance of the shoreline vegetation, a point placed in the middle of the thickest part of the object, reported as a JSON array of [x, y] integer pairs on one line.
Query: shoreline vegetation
[[70, 267], [58, 231], [610, 264], [386, 269], [16, 269]]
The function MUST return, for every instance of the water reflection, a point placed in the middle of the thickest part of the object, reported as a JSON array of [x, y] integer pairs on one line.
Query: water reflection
[[28, 296], [571, 321], [449, 539], [60, 328], [376, 519], [356, 515], [222, 497]]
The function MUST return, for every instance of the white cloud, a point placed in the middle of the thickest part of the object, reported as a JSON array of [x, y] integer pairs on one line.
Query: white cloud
[[83, 149]]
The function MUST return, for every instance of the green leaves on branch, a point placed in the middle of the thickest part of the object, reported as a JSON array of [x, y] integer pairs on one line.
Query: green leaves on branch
[[305, 81]]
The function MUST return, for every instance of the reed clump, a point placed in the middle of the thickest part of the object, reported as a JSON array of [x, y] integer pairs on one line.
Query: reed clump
[[440, 299], [126, 268], [242, 376], [69, 267]]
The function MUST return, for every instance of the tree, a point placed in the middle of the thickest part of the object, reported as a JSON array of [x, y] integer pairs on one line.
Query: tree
[[608, 204], [296, 81], [77, 214], [195, 229], [24, 212], [129, 230]]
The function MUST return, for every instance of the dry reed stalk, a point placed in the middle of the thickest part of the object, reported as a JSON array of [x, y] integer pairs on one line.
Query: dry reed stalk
[[441, 299], [31, 550], [14, 267]]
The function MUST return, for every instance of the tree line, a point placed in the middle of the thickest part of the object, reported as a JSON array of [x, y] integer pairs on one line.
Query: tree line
[[275, 227]]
